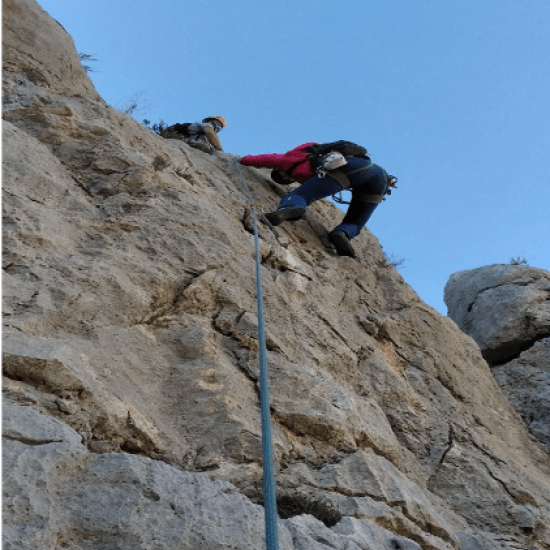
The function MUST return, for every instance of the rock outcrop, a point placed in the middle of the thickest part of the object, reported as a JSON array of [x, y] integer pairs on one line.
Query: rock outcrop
[[506, 310], [130, 354]]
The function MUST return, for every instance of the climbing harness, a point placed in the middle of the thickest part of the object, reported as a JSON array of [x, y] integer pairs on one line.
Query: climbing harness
[[270, 504], [374, 199]]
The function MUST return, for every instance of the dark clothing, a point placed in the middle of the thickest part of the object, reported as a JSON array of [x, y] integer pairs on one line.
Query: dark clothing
[[200, 135], [368, 183]]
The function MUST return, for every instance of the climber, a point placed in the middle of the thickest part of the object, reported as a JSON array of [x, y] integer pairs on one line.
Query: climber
[[367, 181], [200, 135]]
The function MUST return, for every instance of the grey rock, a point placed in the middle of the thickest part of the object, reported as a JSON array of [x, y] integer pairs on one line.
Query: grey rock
[[60, 495], [29, 426], [489, 541], [66, 406], [40, 362], [69, 497], [525, 381], [349, 534], [29, 517], [476, 542], [504, 308]]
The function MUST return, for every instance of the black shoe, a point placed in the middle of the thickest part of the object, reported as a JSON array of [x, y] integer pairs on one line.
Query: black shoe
[[342, 243], [286, 213]]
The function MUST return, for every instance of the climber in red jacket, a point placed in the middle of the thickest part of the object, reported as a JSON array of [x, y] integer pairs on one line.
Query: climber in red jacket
[[294, 163], [367, 181]]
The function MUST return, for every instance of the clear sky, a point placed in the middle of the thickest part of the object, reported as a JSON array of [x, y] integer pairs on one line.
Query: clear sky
[[453, 97]]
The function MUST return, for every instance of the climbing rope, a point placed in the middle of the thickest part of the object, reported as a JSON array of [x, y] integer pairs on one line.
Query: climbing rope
[[270, 505]]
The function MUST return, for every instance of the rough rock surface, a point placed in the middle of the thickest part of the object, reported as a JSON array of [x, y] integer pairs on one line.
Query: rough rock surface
[[506, 310], [130, 354], [525, 381]]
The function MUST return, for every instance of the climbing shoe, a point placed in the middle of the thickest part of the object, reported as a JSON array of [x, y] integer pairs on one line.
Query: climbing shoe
[[342, 243], [285, 213]]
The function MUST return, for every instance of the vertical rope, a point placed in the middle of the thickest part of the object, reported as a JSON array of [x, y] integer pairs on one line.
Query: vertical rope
[[270, 502]]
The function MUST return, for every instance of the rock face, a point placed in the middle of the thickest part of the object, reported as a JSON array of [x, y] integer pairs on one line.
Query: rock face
[[506, 310], [525, 381], [130, 354], [38, 50]]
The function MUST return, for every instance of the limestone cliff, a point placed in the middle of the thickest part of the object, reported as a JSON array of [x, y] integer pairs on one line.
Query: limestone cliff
[[130, 354]]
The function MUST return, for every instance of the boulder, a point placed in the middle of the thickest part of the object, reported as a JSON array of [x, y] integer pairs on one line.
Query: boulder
[[504, 308]]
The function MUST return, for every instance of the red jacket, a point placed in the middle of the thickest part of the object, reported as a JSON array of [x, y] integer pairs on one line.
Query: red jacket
[[301, 173]]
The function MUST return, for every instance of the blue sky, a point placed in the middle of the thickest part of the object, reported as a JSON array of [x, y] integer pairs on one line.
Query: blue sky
[[452, 97]]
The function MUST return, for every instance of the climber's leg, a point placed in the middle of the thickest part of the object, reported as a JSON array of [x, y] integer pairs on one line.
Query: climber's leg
[[293, 205]]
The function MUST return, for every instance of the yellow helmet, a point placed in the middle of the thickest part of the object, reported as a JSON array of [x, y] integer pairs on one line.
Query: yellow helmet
[[220, 119]]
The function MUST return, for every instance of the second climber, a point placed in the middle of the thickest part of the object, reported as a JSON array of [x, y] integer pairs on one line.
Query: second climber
[[200, 135]]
